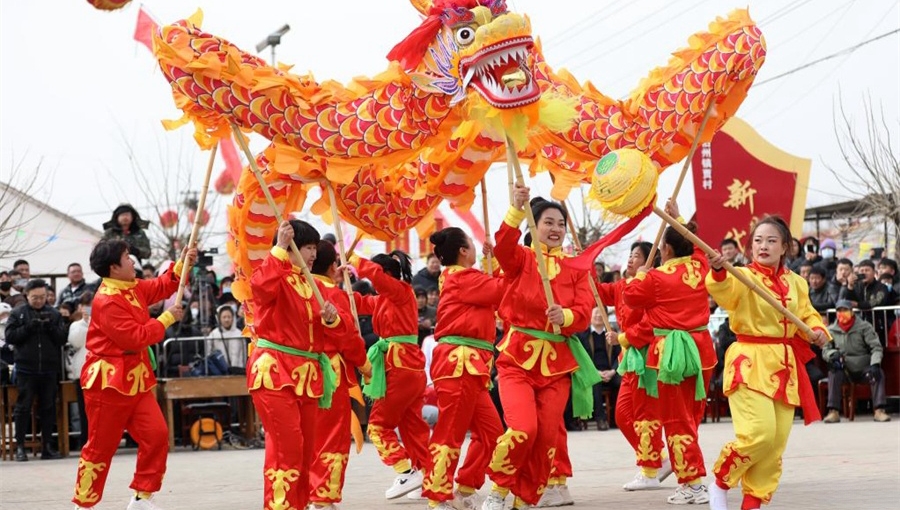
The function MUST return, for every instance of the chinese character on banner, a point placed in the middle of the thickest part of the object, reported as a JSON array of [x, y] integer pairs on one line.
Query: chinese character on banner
[[753, 179]]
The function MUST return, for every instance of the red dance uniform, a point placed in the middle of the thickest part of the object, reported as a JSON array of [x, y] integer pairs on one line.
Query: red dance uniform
[[674, 297], [533, 372], [286, 387], [395, 313], [332, 444], [637, 414], [461, 375], [117, 380]]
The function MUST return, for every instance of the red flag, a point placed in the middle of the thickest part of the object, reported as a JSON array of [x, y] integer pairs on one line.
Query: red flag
[[143, 30], [585, 261]]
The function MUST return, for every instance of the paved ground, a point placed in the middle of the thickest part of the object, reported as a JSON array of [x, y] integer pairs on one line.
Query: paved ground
[[842, 466]]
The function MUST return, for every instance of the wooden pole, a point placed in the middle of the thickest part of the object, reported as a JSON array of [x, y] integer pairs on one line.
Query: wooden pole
[[684, 169], [356, 241], [195, 230], [512, 159], [487, 226], [271, 201], [340, 239], [768, 298]]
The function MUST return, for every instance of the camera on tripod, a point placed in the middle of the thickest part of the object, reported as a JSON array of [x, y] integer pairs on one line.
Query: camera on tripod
[[204, 257]]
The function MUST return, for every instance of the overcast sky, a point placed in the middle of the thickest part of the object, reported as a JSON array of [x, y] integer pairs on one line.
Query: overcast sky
[[76, 90]]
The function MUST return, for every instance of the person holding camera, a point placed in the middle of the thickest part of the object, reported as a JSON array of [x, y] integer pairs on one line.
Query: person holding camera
[[853, 352], [37, 332], [864, 289]]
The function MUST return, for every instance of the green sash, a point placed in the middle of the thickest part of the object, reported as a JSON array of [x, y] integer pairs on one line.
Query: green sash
[[468, 342], [377, 387], [152, 355], [634, 360], [583, 378], [681, 359], [329, 378]]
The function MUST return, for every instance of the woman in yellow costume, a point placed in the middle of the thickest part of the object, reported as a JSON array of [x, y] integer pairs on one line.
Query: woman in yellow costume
[[764, 377]]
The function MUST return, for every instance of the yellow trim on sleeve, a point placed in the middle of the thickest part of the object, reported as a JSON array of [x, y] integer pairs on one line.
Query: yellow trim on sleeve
[[514, 217], [279, 253], [333, 324], [178, 267], [640, 276], [166, 318], [623, 341], [568, 317]]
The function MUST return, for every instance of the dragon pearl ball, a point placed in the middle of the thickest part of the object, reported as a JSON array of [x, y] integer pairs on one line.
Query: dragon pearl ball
[[624, 182]]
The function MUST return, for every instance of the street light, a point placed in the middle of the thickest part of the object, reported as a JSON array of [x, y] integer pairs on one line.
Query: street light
[[272, 40]]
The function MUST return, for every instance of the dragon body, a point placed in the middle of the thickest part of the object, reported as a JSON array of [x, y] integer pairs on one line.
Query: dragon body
[[428, 128]]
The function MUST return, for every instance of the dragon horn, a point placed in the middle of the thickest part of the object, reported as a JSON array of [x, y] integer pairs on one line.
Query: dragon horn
[[422, 6]]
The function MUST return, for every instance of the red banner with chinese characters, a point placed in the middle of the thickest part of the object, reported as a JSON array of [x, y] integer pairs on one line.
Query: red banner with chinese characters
[[740, 177]]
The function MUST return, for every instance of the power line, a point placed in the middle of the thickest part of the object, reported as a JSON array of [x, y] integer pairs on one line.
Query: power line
[[845, 51]]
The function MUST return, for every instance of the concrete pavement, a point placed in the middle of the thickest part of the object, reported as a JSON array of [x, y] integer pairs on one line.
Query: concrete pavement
[[840, 466]]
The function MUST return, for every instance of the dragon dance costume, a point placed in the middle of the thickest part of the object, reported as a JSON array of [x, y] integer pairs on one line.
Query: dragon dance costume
[[118, 380], [398, 371], [332, 443], [764, 376], [644, 435], [678, 360], [289, 375], [461, 371], [536, 367]]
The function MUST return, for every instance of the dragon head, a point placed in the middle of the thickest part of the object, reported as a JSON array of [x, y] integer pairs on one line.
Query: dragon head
[[463, 45]]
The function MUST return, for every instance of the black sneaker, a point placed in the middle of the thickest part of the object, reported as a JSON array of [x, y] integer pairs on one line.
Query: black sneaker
[[21, 456], [50, 454]]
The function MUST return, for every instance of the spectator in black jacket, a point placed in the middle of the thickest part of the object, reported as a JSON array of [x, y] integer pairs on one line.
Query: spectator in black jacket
[[77, 286], [821, 296], [37, 333], [606, 361], [864, 289], [842, 273], [428, 277]]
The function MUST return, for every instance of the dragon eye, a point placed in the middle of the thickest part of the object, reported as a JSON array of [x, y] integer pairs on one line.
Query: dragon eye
[[465, 36]]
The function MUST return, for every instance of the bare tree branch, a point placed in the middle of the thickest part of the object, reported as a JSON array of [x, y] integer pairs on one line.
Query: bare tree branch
[[15, 193]]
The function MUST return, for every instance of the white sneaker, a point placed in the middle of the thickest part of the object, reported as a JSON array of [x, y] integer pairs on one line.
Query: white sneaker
[[494, 501], [550, 498], [404, 484], [641, 483], [688, 495], [462, 502], [142, 504], [565, 495], [718, 497], [416, 495], [664, 471]]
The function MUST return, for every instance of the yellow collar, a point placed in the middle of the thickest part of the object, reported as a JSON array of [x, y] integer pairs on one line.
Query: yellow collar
[[676, 261], [552, 252], [326, 281], [119, 284]]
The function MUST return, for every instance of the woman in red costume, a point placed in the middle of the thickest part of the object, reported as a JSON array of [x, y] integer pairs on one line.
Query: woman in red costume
[[347, 354], [633, 400], [461, 371], [289, 376], [680, 353], [398, 370], [764, 375], [536, 365], [117, 377]]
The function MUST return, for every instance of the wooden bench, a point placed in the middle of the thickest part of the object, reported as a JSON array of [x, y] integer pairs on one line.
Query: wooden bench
[[169, 390]]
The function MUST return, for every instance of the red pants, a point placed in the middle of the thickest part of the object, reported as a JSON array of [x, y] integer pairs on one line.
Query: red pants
[[290, 424], [562, 464], [533, 405], [625, 409], [647, 425], [464, 403], [332, 448], [681, 415], [401, 408], [110, 413]]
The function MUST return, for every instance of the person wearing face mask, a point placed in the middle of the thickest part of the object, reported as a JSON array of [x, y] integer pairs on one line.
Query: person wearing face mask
[[680, 352], [541, 357], [763, 379], [828, 250], [6, 286], [461, 371], [853, 352]]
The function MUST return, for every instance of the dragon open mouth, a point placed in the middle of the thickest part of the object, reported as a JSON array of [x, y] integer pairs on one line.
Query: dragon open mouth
[[500, 72]]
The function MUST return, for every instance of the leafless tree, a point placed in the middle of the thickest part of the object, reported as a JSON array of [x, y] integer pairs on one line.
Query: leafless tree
[[590, 223], [17, 190], [171, 182], [870, 169]]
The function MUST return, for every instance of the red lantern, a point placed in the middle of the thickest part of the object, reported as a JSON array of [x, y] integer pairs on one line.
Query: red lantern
[[204, 217], [109, 5], [168, 219]]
